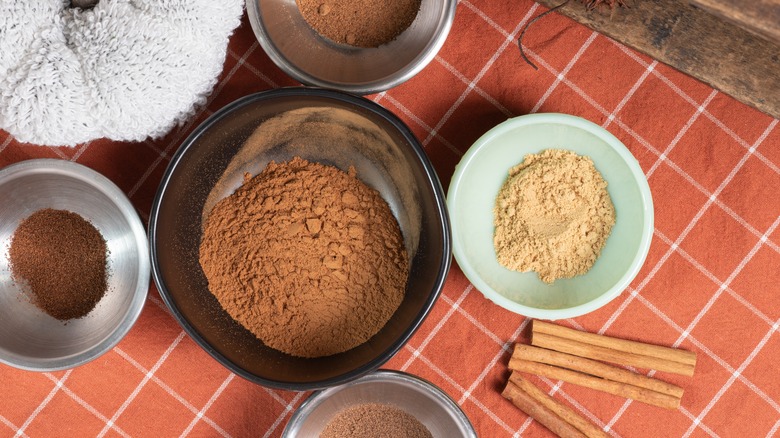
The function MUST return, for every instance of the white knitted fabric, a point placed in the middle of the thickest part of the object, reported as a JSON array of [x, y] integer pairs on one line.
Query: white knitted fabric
[[124, 70]]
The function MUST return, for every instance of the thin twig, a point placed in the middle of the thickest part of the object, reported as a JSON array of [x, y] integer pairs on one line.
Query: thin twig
[[520, 39]]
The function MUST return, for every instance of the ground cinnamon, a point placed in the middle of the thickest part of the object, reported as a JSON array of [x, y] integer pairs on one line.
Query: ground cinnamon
[[60, 259], [306, 257], [374, 420], [360, 23]]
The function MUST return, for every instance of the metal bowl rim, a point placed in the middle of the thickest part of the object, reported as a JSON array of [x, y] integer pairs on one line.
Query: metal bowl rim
[[382, 376], [433, 181], [369, 87], [101, 182]]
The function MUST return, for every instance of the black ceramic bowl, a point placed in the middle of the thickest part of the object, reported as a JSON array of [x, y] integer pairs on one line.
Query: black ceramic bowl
[[394, 163]]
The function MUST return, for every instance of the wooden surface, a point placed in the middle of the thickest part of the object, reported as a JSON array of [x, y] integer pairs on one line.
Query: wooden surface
[[727, 57], [759, 16]]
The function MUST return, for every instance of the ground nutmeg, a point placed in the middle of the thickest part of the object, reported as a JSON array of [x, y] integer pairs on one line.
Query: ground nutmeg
[[360, 23], [60, 260]]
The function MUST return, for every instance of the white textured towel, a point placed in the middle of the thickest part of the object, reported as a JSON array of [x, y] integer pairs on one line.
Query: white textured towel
[[124, 70]]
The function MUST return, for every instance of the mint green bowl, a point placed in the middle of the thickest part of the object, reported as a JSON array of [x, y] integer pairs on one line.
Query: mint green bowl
[[471, 198]]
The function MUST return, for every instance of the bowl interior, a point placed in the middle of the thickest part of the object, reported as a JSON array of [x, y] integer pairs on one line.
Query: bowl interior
[[30, 338], [434, 409], [484, 170], [390, 164], [316, 60]]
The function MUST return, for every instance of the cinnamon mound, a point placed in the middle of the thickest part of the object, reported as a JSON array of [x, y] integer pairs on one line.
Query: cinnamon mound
[[306, 257]]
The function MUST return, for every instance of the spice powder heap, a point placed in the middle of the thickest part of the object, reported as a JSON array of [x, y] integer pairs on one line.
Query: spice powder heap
[[552, 215], [374, 420], [360, 23], [62, 258], [306, 257]]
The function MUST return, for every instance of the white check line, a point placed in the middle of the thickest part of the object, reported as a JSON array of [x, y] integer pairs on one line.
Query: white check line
[[140, 386], [691, 101], [170, 391], [451, 68], [208, 404], [11, 425], [702, 426], [685, 333], [439, 325], [455, 384], [251, 68], [715, 279], [290, 406], [87, 406], [630, 94], [508, 41], [422, 124], [560, 76], [680, 134], [730, 381], [6, 142], [57, 386], [774, 429], [506, 348], [276, 396]]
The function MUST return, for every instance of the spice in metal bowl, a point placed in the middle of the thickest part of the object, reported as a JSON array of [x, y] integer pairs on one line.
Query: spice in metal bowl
[[60, 259], [374, 420], [360, 23]]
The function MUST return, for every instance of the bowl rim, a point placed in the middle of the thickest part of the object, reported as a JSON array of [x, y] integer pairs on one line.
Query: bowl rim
[[140, 294], [383, 376], [433, 181], [369, 87], [636, 172]]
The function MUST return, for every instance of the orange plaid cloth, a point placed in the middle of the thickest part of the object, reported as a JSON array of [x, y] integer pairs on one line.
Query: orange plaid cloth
[[710, 282]]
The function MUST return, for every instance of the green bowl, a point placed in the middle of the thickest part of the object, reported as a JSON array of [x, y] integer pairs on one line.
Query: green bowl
[[472, 195]]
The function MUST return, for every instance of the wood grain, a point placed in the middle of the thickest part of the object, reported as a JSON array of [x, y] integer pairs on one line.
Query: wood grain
[[716, 52], [759, 16]]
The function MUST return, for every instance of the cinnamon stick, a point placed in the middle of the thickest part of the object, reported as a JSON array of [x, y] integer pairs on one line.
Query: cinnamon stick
[[566, 413], [539, 412], [594, 368], [607, 354], [639, 348], [637, 393]]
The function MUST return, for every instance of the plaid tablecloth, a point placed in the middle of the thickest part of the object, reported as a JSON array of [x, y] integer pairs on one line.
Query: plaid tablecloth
[[711, 282]]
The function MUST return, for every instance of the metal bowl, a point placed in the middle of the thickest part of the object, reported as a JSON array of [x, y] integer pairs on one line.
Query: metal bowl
[[394, 164], [429, 404], [31, 339], [314, 60]]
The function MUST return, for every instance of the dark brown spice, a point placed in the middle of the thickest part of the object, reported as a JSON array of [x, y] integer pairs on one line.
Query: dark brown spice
[[360, 23], [61, 257], [374, 420]]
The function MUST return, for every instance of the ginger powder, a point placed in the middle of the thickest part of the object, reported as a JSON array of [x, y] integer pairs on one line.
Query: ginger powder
[[552, 215]]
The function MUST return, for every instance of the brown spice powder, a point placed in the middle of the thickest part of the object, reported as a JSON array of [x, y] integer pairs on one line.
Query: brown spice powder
[[360, 23], [62, 258], [306, 257], [552, 215], [374, 420]]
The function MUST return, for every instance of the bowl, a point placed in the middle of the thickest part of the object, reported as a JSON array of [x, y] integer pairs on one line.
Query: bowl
[[394, 164], [429, 404], [472, 195], [315, 60], [31, 339]]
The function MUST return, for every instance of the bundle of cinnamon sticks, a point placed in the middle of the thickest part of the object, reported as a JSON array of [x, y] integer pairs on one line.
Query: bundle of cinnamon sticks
[[576, 357]]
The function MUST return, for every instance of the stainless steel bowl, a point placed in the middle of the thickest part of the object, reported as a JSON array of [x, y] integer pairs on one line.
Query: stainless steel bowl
[[429, 404], [393, 162], [314, 60], [31, 339]]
